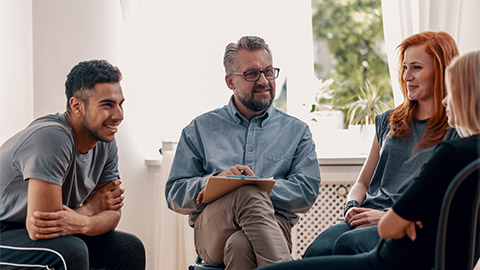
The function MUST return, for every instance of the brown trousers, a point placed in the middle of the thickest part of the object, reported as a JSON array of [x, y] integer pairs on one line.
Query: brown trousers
[[242, 231]]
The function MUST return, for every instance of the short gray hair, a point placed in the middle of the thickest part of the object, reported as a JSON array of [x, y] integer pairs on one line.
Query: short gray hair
[[249, 43]]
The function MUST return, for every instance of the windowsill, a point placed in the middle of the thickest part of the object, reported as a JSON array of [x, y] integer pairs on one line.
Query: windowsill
[[322, 161], [153, 162], [341, 161]]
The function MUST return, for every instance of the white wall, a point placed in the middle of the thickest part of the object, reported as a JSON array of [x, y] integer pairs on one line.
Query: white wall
[[65, 33], [16, 81]]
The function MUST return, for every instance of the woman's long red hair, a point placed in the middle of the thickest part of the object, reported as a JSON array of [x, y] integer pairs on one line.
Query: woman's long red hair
[[443, 49]]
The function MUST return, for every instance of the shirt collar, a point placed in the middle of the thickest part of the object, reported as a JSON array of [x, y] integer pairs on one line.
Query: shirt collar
[[239, 118]]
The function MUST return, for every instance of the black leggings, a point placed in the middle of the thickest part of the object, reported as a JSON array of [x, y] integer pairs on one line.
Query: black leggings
[[112, 250]]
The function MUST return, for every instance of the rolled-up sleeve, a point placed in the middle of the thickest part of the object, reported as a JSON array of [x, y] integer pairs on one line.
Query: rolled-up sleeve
[[186, 178]]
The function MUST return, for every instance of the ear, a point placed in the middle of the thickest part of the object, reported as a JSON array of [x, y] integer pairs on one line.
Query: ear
[[77, 106], [229, 81]]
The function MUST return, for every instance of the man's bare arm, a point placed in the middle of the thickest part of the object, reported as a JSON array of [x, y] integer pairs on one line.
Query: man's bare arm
[[67, 222], [38, 190], [105, 197], [48, 218]]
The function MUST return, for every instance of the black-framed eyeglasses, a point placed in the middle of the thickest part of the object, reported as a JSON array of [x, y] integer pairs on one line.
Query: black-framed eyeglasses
[[254, 74]]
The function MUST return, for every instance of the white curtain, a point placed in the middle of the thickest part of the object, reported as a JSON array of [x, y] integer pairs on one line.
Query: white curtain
[[173, 238], [403, 18], [16, 66]]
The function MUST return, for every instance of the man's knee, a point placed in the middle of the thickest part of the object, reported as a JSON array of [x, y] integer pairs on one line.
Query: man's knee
[[115, 250], [238, 251], [129, 250], [70, 251], [237, 243]]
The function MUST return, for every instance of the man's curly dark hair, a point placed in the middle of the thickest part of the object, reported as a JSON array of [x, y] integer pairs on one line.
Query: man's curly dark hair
[[85, 75]]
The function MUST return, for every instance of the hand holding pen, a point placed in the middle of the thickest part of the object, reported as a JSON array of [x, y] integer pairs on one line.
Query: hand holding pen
[[238, 170], [241, 170]]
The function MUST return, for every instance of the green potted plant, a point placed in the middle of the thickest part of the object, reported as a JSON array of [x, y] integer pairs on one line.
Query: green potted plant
[[370, 102]]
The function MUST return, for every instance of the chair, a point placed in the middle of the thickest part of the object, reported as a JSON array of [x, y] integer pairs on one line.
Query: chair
[[200, 265], [442, 222]]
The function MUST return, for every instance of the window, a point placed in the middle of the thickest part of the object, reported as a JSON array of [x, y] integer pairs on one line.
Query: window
[[354, 82]]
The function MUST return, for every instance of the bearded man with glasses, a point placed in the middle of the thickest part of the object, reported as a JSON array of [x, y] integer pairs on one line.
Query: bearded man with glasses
[[247, 227]]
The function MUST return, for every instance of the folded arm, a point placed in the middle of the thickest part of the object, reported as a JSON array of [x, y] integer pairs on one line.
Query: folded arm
[[49, 218], [105, 197], [392, 225]]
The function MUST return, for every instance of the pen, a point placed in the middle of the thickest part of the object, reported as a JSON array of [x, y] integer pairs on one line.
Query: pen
[[242, 176], [243, 172]]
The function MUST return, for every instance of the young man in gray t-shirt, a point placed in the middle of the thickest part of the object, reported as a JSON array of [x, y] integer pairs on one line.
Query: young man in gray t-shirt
[[59, 182]]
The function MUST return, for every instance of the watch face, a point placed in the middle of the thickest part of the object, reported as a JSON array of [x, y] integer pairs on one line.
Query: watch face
[[350, 204]]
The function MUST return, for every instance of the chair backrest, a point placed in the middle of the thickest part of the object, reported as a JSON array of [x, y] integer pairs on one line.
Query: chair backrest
[[442, 221]]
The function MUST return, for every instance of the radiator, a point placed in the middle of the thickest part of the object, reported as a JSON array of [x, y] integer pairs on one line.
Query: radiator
[[328, 208]]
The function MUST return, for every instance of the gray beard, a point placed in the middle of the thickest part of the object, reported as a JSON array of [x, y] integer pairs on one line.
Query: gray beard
[[256, 106]]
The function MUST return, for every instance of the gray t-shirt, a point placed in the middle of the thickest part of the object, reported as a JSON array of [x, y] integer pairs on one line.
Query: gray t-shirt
[[46, 150], [400, 161]]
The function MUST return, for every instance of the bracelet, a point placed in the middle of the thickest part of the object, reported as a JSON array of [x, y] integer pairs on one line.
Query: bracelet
[[350, 204]]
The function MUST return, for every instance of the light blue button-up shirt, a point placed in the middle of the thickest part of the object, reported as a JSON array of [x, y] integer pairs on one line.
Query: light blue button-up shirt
[[273, 145]]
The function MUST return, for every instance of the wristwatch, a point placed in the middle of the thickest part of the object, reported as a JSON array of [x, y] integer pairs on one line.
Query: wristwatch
[[350, 204]]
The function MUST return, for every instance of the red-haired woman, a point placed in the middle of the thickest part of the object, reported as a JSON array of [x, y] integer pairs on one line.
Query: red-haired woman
[[409, 228], [404, 140]]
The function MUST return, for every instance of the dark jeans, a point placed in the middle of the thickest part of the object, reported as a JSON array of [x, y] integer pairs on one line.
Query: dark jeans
[[112, 250], [381, 257], [341, 239]]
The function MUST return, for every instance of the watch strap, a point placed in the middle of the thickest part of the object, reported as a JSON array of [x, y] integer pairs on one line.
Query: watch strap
[[350, 204]]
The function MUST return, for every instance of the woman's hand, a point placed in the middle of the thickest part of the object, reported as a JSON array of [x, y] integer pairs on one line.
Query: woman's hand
[[363, 217], [394, 226]]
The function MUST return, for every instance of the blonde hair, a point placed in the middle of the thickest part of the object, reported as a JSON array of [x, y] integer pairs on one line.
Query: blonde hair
[[463, 87]]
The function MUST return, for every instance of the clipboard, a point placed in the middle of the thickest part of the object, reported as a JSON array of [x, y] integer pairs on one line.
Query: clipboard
[[217, 186]]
